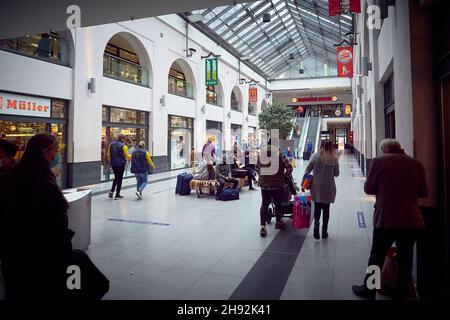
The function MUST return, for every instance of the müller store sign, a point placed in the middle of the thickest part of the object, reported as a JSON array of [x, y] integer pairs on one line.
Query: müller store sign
[[17, 105]]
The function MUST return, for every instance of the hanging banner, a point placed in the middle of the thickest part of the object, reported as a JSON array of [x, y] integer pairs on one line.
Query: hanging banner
[[252, 94], [345, 62], [211, 72], [337, 7]]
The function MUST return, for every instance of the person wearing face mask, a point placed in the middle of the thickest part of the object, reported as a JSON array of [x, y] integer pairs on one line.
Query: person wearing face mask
[[35, 241], [7, 152]]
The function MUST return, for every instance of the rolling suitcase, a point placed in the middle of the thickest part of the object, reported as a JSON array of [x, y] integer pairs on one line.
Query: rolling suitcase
[[183, 184]]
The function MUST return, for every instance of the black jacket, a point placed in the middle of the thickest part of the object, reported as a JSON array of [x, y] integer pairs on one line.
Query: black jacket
[[35, 242]]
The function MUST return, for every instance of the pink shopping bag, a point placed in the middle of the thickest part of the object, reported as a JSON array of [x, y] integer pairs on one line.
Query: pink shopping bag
[[301, 215]]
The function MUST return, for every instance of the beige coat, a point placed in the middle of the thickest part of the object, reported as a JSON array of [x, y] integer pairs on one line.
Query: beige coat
[[398, 181]]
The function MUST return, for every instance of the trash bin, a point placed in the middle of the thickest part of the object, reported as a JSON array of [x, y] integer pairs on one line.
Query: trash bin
[[79, 215]]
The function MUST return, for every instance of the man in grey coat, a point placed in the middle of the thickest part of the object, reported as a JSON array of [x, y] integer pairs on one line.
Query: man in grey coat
[[397, 181]]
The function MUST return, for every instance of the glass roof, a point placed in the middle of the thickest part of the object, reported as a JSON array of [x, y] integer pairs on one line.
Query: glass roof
[[299, 27]]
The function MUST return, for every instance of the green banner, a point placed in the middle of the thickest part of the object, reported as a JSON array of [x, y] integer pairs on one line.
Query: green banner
[[211, 72]]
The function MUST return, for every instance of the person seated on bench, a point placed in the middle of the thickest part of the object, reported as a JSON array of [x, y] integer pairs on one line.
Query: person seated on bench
[[223, 173], [239, 170], [201, 172]]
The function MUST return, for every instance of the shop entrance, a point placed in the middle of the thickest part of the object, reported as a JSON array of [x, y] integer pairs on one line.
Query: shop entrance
[[133, 124], [19, 130], [180, 141]]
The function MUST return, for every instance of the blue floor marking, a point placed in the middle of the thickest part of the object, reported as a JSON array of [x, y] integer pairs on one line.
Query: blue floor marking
[[140, 222], [361, 221]]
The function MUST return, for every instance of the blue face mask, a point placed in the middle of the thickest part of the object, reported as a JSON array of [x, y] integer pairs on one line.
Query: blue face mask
[[55, 161]]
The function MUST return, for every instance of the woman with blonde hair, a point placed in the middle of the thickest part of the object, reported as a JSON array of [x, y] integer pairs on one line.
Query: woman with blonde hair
[[325, 167]]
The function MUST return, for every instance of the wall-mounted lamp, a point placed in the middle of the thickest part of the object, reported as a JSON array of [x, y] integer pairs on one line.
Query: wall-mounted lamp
[[190, 52], [246, 118], [91, 85], [229, 114], [162, 101], [366, 66], [203, 109], [242, 80]]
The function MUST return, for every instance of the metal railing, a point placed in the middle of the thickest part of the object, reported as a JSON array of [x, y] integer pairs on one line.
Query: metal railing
[[53, 49], [180, 87], [305, 129], [121, 69]]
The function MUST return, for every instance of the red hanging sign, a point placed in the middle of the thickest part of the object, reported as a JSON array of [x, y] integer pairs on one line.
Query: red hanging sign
[[345, 62], [337, 7], [253, 95]]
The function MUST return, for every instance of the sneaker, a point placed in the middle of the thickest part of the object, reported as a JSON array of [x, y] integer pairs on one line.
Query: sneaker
[[280, 225], [363, 292], [263, 232], [118, 197], [110, 195], [139, 195]]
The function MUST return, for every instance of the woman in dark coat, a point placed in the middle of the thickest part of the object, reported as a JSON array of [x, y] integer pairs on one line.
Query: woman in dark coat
[[35, 242]]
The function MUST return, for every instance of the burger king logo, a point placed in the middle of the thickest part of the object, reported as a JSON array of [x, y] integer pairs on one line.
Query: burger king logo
[[345, 56]]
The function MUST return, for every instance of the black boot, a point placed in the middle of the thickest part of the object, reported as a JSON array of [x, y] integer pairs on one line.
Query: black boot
[[324, 232], [316, 230]]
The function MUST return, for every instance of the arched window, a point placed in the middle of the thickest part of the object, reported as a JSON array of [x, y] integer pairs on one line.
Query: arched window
[[180, 80], [214, 94], [236, 100], [121, 61]]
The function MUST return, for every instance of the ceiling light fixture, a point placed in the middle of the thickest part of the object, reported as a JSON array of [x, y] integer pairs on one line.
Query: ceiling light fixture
[[193, 18]]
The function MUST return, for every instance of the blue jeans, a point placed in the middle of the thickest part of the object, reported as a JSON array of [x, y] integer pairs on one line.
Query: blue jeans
[[142, 179]]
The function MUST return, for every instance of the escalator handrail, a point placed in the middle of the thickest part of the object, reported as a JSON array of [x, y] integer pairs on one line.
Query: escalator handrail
[[305, 129]]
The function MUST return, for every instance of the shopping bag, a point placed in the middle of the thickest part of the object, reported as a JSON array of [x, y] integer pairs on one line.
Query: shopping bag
[[307, 182], [389, 276], [301, 213]]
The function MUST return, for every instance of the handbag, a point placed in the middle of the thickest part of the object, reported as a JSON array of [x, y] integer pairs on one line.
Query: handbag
[[229, 194], [94, 284]]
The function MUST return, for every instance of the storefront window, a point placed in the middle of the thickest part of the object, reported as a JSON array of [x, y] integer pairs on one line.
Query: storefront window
[[143, 118], [123, 116], [58, 109], [236, 134], [105, 114], [214, 133], [48, 46], [180, 142], [123, 121], [19, 130]]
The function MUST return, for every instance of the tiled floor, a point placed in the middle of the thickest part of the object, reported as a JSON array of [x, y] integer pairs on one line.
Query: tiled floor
[[209, 247]]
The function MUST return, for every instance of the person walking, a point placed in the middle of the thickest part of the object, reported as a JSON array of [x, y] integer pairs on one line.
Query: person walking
[[272, 181], [118, 156], [397, 181], [141, 162], [35, 242], [325, 167]]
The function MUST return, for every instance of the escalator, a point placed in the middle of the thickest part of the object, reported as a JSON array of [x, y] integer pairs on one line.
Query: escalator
[[312, 134]]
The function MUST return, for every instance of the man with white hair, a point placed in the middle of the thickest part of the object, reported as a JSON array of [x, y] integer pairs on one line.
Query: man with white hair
[[397, 181]]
